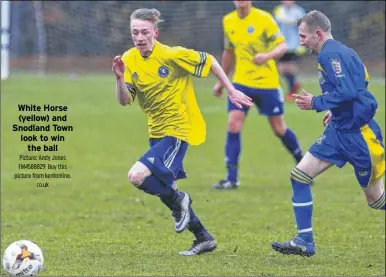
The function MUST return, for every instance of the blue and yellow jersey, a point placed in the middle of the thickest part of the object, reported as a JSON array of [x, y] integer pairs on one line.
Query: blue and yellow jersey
[[163, 85], [256, 33], [343, 80]]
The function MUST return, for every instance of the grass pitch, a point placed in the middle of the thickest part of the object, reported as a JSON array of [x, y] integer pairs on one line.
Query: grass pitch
[[96, 223]]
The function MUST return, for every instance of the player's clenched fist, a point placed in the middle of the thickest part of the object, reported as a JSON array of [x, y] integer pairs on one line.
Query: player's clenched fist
[[118, 67]]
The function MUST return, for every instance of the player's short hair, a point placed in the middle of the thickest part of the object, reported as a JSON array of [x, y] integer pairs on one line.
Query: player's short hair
[[152, 15], [316, 19]]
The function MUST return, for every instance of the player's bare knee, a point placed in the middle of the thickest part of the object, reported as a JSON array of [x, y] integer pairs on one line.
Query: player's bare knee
[[136, 178], [138, 173], [234, 126], [279, 131], [312, 166], [235, 121], [278, 125]]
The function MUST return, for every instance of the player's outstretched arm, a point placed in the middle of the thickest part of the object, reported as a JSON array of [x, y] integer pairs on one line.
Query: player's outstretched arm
[[227, 63], [122, 92], [236, 97]]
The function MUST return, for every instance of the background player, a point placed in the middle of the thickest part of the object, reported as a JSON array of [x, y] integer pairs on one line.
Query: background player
[[253, 41], [161, 78], [351, 135], [286, 16]]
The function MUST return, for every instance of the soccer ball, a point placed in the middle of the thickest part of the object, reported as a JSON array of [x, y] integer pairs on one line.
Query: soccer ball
[[23, 258]]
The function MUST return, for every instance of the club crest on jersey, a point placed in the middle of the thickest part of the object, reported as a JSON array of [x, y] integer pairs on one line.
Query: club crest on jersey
[[250, 29], [337, 67], [163, 71], [134, 76]]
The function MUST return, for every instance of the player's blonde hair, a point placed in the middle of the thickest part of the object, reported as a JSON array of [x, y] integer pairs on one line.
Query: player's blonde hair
[[152, 15], [316, 19]]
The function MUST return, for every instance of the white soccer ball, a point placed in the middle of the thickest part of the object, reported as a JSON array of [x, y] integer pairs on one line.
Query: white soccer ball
[[23, 258]]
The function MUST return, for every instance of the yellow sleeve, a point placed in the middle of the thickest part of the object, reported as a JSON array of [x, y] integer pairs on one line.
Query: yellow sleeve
[[194, 62], [272, 30], [127, 77], [227, 43]]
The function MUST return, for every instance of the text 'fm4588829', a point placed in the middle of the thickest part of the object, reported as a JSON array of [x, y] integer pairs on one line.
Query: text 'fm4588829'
[[36, 126]]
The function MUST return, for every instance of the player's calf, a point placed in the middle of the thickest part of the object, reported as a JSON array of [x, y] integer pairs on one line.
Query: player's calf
[[375, 195], [287, 136], [379, 204], [179, 202]]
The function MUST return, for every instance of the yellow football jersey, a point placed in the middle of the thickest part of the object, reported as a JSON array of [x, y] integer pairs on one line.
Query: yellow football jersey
[[163, 85], [256, 33]]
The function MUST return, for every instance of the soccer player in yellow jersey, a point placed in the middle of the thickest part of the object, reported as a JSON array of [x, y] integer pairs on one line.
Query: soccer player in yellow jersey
[[160, 77], [252, 42]]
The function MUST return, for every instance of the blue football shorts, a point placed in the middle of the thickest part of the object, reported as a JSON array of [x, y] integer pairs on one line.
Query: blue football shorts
[[363, 149], [269, 102], [165, 159]]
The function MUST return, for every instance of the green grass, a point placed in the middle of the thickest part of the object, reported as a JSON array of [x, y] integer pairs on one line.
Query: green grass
[[98, 224]]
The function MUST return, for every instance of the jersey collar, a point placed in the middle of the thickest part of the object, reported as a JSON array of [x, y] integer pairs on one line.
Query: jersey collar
[[154, 52], [324, 44]]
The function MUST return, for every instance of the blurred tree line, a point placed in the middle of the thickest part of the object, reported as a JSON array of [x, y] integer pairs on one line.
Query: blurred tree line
[[92, 28]]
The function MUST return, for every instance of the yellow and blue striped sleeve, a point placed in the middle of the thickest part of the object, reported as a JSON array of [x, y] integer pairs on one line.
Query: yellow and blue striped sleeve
[[194, 62], [272, 30]]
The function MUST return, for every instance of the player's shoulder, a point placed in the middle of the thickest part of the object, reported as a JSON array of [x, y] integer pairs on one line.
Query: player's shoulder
[[334, 50], [264, 15], [129, 54], [332, 47], [229, 17], [169, 51]]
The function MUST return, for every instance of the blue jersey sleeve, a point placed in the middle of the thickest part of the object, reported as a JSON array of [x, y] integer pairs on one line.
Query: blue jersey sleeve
[[339, 76]]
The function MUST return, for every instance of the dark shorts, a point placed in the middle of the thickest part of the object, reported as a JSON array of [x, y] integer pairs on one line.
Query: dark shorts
[[165, 159], [268, 101], [289, 57], [363, 149]]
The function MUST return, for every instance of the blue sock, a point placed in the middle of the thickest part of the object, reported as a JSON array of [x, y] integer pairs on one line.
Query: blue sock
[[195, 226], [291, 79], [291, 143], [302, 204], [152, 185], [232, 153]]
